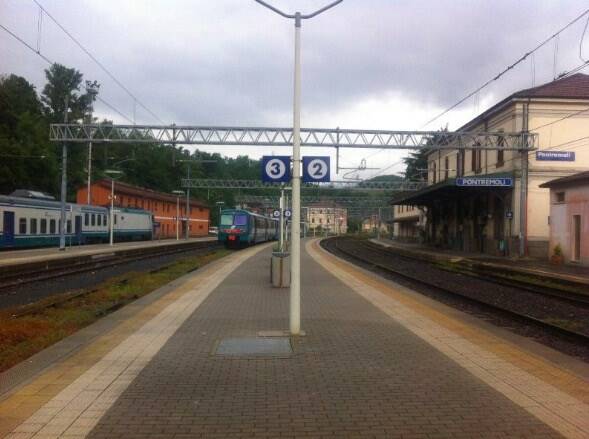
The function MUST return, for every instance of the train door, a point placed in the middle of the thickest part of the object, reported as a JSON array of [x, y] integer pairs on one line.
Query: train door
[[78, 228], [8, 233]]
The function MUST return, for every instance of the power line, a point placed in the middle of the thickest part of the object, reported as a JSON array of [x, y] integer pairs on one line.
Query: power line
[[507, 69], [48, 61], [93, 58]]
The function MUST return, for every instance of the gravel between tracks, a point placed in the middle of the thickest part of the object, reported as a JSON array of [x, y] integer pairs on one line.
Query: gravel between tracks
[[30, 293], [540, 307]]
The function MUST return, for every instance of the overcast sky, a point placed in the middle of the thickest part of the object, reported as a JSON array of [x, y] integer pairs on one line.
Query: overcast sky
[[382, 64]]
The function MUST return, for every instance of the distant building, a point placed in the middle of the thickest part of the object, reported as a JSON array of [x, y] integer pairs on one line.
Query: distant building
[[409, 223], [162, 205], [330, 219], [473, 196], [569, 217], [373, 223]]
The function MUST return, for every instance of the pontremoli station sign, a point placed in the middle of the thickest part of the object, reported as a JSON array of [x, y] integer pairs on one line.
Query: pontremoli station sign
[[555, 156], [485, 181]]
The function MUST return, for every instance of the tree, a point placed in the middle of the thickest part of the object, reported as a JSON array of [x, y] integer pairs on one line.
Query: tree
[[64, 82], [416, 161]]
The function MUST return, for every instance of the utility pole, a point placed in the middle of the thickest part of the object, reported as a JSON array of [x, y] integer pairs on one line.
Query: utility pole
[[295, 260], [281, 220], [188, 216], [63, 181], [523, 202], [92, 90]]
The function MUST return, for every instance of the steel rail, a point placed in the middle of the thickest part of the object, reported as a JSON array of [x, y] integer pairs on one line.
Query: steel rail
[[35, 272], [556, 329], [578, 299]]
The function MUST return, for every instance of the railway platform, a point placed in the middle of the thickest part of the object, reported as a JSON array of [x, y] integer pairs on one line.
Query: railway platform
[[524, 266], [19, 257], [208, 356]]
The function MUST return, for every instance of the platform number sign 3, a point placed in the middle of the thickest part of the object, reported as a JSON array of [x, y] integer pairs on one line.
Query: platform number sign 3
[[315, 169], [276, 169]]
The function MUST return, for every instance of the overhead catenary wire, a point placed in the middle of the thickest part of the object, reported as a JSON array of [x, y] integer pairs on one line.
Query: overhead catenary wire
[[506, 69], [99, 64], [48, 61]]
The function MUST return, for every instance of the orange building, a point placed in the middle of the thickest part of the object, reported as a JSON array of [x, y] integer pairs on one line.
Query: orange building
[[162, 205]]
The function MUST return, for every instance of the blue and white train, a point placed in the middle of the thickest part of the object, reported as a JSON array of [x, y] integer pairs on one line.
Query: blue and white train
[[29, 222]]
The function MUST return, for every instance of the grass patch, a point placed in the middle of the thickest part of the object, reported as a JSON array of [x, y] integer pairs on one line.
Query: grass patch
[[29, 329]]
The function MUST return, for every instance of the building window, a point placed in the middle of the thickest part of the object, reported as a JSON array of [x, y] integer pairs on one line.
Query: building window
[[460, 159], [86, 219], [93, 219], [435, 172], [446, 168], [560, 197], [52, 227], [22, 226], [33, 226], [99, 220], [68, 225], [43, 226]]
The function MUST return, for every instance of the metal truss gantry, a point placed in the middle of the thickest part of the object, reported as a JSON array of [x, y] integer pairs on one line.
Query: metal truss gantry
[[205, 183], [262, 136]]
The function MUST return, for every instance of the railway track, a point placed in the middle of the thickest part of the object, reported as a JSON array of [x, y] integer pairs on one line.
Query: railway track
[[575, 298], [380, 259], [17, 276]]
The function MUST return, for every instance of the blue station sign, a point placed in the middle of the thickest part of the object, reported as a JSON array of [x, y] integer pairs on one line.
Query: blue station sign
[[555, 156], [276, 169], [485, 181]]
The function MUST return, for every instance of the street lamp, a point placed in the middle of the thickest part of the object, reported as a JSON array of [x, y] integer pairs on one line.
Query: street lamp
[[178, 193], [295, 267], [112, 173], [220, 204]]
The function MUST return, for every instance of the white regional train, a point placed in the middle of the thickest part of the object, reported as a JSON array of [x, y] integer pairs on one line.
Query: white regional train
[[29, 222]]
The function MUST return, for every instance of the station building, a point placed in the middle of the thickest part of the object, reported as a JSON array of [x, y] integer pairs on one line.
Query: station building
[[569, 217], [333, 219], [409, 223], [485, 217], [163, 206]]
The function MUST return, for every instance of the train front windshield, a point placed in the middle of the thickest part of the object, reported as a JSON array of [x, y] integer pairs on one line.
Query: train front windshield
[[233, 220]]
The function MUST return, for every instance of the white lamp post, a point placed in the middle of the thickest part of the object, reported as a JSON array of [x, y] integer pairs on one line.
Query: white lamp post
[[178, 193], [295, 260], [112, 173]]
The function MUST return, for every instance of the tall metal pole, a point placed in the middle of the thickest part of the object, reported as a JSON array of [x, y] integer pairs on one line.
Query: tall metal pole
[[177, 217], [112, 210], [295, 260], [188, 216], [379, 220], [89, 171], [295, 257], [282, 220], [523, 202], [63, 181]]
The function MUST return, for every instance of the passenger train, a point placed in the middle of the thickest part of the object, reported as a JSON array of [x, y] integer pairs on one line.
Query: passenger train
[[29, 222], [240, 227]]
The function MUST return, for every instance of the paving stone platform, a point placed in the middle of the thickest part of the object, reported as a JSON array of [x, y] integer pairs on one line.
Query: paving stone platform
[[357, 372]]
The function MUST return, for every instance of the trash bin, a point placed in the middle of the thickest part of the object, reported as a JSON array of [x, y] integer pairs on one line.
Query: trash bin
[[280, 269]]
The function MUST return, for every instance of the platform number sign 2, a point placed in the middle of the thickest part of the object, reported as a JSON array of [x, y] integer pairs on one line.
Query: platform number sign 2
[[315, 169], [276, 169]]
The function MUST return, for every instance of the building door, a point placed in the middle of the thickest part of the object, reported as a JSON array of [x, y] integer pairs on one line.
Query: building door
[[8, 233], [576, 253]]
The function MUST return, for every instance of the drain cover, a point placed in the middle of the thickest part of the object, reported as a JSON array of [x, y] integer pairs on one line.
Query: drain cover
[[244, 346]]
